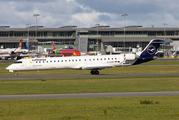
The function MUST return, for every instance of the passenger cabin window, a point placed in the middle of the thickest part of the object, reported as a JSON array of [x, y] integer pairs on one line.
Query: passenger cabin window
[[79, 59], [115, 58], [61, 60], [104, 58], [65, 60], [101, 58], [54, 61], [58, 60]]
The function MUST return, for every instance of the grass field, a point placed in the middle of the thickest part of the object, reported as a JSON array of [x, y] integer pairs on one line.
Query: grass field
[[89, 85], [125, 108], [165, 108]]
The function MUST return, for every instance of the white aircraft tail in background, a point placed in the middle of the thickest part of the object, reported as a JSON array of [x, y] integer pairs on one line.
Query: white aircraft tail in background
[[93, 63], [11, 53]]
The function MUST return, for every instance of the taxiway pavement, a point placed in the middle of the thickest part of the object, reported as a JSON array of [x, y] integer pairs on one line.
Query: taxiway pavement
[[90, 95], [32, 77]]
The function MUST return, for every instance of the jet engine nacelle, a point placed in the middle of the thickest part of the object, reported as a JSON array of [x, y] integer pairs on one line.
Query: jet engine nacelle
[[12, 52], [131, 56]]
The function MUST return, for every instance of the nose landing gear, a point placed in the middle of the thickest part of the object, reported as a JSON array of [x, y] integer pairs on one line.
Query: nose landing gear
[[94, 72], [16, 73]]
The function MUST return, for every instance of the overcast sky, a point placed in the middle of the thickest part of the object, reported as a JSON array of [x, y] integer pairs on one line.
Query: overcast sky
[[86, 13]]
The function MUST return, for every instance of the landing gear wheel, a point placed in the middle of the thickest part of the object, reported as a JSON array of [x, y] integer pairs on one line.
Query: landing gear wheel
[[96, 72], [92, 72]]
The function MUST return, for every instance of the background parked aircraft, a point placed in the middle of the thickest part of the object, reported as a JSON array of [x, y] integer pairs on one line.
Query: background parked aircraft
[[64, 52], [11, 52]]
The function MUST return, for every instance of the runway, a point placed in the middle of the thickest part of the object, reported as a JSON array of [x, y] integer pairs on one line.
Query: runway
[[90, 95], [29, 77]]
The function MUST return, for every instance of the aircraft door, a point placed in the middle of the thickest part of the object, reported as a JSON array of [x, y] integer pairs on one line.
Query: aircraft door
[[28, 63]]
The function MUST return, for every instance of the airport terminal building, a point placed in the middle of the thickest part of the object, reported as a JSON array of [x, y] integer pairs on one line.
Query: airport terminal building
[[97, 38]]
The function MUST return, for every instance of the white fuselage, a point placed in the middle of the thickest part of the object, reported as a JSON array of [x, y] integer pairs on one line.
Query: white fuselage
[[73, 62]]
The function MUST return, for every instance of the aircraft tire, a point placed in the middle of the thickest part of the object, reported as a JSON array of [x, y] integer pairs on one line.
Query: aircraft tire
[[97, 72], [92, 72]]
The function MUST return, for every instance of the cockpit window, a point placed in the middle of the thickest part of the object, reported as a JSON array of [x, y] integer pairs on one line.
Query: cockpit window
[[17, 62]]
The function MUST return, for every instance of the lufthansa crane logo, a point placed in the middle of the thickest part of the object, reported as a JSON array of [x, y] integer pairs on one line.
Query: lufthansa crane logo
[[151, 50]]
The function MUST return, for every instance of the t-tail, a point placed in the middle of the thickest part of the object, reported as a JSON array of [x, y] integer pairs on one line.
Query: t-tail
[[53, 46], [150, 51]]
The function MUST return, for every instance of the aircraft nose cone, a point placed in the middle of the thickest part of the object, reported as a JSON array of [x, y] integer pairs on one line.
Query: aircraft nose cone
[[10, 68]]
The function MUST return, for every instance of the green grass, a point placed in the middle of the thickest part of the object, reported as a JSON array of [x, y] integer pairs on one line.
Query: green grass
[[89, 85], [4, 64], [116, 70], [154, 62], [125, 108], [161, 62]]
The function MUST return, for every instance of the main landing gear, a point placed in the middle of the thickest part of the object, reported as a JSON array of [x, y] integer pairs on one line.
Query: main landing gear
[[94, 72]]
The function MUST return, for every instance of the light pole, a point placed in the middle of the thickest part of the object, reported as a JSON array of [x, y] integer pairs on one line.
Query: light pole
[[28, 36], [164, 37], [164, 29], [124, 15], [35, 15], [97, 35]]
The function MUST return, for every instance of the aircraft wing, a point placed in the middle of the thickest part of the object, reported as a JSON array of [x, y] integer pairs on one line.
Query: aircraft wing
[[5, 55], [97, 67]]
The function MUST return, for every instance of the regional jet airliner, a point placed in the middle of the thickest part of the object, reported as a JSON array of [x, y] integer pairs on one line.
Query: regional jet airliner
[[93, 63]]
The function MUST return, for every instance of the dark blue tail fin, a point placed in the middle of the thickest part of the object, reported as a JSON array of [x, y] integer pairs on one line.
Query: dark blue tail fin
[[150, 51], [26, 45]]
